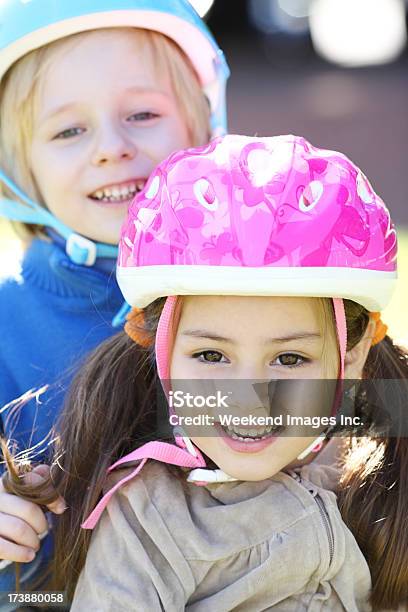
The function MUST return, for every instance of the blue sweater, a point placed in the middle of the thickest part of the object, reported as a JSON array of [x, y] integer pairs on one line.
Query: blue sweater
[[50, 319]]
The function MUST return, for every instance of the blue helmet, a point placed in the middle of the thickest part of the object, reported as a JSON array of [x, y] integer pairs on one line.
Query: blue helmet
[[26, 25]]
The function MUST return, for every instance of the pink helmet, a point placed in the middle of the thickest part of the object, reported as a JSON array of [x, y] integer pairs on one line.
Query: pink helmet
[[258, 216]]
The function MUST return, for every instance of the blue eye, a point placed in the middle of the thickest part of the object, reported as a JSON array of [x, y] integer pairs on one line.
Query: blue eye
[[69, 133], [210, 357], [291, 360], [143, 116]]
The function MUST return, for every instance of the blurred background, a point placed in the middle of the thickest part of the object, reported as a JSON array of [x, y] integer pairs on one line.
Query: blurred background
[[334, 71]]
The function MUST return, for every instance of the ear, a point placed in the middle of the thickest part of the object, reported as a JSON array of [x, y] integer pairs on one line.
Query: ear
[[357, 356]]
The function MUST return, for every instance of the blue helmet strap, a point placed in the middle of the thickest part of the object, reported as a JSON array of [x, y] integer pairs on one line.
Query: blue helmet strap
[[219, 114], [80, 250]]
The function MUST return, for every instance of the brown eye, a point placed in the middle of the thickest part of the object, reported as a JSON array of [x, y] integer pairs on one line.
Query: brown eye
[[212, 356], [209, 356], [290, 359]]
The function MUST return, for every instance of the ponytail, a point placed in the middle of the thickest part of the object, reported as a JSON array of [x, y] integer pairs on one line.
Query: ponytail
[[108, 414], [373, 495]]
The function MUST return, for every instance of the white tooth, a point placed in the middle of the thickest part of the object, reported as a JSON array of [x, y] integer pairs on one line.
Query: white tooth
[[247, 435], [124, 191], [235, 436], [116, 192], [242, 431], [98, 194], [107, 193]]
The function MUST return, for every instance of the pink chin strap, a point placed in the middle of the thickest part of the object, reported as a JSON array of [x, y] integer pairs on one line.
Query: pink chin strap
[[184, 453], [164, 341], [161, 451], [341, 326], [164, 338]]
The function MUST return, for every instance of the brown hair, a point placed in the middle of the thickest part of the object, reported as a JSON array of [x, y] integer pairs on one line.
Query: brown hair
[[111, 411], [373, 494], [20, 91]]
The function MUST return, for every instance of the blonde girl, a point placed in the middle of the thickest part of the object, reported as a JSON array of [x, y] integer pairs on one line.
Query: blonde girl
[[92, 96]]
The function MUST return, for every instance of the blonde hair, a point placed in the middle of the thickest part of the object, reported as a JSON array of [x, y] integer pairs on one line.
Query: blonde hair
[[20, 93]]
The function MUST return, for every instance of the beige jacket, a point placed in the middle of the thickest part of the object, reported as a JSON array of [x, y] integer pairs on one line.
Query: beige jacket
[[279, 544]]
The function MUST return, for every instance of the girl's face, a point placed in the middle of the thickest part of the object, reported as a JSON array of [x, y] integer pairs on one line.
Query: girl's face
[[252, 339], [105, 119]]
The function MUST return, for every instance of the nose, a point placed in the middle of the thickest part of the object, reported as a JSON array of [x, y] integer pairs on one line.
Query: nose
[[113, 145], [249, 397]]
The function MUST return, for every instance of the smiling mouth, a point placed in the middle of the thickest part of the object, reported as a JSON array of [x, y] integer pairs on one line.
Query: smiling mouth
[[241, 434], [118, 193]]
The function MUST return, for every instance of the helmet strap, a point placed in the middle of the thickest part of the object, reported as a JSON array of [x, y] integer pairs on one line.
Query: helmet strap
[[341, 327], [79, 249]]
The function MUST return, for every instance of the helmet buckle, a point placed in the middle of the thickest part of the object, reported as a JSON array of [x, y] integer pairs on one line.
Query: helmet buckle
[[80, 250]]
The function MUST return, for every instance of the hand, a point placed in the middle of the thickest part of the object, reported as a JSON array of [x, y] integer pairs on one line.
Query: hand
[[23, 523]]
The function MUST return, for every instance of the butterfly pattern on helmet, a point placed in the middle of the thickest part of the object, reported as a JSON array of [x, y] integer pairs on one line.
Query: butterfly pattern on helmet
[[241, 201]]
